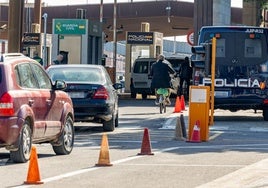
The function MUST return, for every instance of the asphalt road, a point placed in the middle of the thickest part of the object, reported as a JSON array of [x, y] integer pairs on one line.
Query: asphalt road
[[234, 156]]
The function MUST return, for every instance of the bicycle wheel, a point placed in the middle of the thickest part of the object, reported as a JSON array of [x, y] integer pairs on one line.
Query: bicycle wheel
[[161, 103], [161, 106]]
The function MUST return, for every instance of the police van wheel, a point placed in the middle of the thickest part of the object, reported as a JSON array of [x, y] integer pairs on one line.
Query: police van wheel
[[133, 95], [265, 114], [144, 96]]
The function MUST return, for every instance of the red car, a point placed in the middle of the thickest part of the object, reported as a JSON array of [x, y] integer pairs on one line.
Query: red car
[[32, 109]]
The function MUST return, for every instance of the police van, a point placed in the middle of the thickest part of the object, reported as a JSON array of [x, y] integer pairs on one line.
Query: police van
[[241, 76]]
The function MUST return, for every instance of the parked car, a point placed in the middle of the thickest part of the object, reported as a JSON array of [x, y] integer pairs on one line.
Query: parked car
[[32, 109], [95, 98]]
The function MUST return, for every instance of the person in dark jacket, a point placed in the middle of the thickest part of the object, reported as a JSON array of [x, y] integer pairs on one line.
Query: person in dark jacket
[[185, 74], [58, 60], [160, 72], [37, 58]]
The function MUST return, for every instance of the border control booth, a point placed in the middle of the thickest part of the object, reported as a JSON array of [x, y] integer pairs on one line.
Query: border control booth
[[78, 40], [143, 44]]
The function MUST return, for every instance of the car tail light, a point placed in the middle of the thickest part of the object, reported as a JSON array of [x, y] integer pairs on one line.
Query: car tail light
[[101, 93], [6, 105], [265, 101]]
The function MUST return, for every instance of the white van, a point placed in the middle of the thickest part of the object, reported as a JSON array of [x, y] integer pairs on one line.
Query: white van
[[140, 82]]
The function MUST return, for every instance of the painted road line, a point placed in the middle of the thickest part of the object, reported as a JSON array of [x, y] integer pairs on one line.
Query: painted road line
[[251, 176], [214, 136], [170, 123], [258, 129], [82, 171], [184, 165]]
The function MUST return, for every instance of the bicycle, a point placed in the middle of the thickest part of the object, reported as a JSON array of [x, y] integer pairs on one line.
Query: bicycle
[[163, 93]]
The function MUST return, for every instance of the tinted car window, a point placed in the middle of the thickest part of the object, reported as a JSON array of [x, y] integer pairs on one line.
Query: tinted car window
[[42, 78], [25, 76], [77, 75]]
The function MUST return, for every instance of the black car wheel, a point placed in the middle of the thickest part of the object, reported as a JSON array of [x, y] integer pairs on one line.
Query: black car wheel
[[133, 95], [22, 155], [66, 139], [116, 120], [109, 125], [265, 114]]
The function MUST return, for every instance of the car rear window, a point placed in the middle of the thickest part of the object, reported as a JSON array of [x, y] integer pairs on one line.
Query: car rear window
[[77, 74]]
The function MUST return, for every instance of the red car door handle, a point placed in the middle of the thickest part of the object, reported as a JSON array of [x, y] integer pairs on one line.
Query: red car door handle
[[48, 102], [31, 101]]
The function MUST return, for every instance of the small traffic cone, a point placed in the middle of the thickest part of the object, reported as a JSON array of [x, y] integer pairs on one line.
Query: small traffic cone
[[33, 176], [182, 102], [146, 144], [195, 137], [177, 108], [104, 157], [178, 131]]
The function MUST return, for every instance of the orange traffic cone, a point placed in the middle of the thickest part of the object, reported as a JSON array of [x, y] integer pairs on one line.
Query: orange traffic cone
[[104, 158], [33, 176], [182, 102], [177, 108], [146, 144], [195, 137]]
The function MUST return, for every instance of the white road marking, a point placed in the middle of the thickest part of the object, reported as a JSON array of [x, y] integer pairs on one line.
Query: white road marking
[[258, 129], [183, 165], [82, 171]]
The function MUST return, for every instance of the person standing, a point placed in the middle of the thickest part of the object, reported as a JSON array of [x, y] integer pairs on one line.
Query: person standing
[[185, 74], [58, 60], [37, 58], [25, 52], [160, 72]]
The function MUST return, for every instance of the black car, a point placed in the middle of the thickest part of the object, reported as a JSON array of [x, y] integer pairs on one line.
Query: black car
[[93, 94]]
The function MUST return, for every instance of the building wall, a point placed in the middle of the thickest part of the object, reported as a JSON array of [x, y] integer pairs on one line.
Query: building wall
[[221, 12]]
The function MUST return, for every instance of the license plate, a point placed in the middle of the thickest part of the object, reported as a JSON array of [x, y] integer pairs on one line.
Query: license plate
[[76, 94], [221, 94]]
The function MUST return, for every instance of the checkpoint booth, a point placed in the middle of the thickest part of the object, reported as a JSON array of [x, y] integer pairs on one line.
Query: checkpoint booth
[[144, 44]]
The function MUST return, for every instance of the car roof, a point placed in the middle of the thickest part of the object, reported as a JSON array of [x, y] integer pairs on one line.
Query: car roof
[[75, 66], [11, 56], [145, 59]]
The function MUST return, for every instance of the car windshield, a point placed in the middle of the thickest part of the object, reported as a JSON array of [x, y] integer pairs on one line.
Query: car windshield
[[77, 74]]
